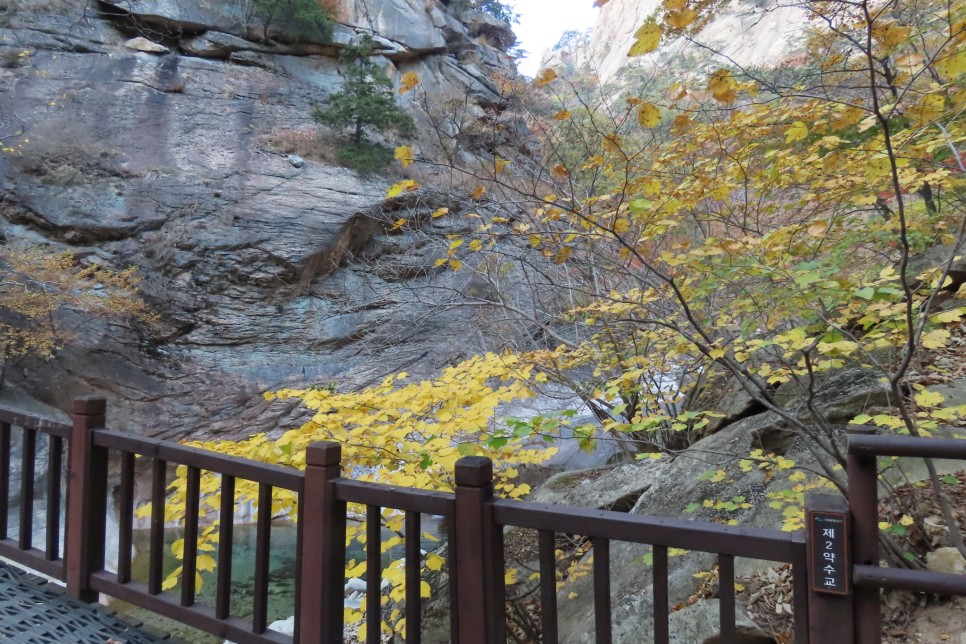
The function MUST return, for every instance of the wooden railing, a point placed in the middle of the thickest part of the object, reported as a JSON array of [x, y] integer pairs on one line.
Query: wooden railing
[[475, 522]]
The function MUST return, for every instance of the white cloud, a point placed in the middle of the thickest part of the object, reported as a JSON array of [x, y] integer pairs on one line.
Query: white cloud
[[542, 22]]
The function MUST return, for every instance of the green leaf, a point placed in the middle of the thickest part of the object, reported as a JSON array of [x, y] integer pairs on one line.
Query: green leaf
[[692, 507], [949, 479]]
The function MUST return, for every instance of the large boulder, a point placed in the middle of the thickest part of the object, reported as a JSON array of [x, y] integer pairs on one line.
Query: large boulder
[[667, 489]]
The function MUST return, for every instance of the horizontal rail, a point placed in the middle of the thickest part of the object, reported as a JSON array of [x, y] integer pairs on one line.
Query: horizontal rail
[[168, 605], [274, 475], [395, 497], [907, 446], [915, 580], [32, 558], [39, 423], [755, 543]]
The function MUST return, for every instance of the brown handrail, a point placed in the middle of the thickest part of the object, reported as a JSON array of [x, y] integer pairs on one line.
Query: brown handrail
[[475, 523]]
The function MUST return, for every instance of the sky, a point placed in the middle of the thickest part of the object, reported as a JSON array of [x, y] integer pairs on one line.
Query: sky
[[542, 22]]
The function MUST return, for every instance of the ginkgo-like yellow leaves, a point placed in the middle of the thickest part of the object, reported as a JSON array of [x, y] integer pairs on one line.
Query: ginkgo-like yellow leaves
[[407, 185], [646, 39], [544, 77], [797, 132], [405, 155], [648, 114], [723, 86], [408, 82]]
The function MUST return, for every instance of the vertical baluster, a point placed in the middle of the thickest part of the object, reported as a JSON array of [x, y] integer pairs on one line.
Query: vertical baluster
[[159, 471], [662, 634], [413, 565], [299, 549], [55, 451], [726, 597], [190, 562], [28, 457], [602, 624], [497, 570], [4, 478], [454, 600], [548, 587], [800, 594], [262, 550], [125, 518], [374, 574], [225, 530]]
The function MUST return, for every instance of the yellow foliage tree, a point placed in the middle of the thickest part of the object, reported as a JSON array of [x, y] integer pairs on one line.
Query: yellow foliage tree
[[402, 432], [38, 287], [747, 225]]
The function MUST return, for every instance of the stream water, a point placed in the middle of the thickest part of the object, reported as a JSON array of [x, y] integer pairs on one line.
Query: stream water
[[282, 567]]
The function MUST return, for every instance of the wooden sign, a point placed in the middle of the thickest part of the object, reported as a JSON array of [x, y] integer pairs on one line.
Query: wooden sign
[[828, 536]]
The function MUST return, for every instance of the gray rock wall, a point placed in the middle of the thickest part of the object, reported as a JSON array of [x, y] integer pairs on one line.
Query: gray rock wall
[[265, 272]]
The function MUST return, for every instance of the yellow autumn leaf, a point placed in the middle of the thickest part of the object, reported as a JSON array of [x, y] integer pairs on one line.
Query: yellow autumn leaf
[[439, 213], [646, 39], [544, 77], [722, 86], [797, 132], [405, 155], [434, 561], [455, 264], [951, 63], [680, 18], [611, 143], [889, 35], [674, 4], [499, 164], [935, 339], [560, 170], [648, 115], [407, 185], [879, 167], [929, 108], [562, 115], [926, 398], [408, 81], [478, 192]]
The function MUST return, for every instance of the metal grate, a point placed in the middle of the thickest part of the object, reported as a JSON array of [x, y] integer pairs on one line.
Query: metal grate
[[34, 612]]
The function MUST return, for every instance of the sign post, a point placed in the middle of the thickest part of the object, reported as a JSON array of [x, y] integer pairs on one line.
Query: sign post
[[827, 538]]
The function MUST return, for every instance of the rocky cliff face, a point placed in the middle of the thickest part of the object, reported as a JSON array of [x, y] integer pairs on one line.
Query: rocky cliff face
[[744, 32], [157, 134]]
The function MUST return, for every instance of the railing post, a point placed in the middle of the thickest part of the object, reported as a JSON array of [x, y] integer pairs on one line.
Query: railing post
[[864, 504], [323, 547], [477, 613], [86, 498], [828, 548]]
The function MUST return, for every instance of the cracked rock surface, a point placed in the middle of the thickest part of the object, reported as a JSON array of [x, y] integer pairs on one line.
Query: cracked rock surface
[[265, 274]]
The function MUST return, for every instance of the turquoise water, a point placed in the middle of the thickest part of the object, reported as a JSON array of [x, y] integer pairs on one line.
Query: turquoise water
[[282, 565]]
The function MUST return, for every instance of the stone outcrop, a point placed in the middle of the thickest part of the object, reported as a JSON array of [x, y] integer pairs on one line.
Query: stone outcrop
[[745, 33], [265, 272]]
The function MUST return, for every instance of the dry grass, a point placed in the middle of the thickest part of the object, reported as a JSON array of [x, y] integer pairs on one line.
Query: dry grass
[[308, 143]]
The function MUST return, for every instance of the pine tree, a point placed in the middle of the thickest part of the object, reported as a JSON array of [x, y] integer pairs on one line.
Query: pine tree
[[365, 103]]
